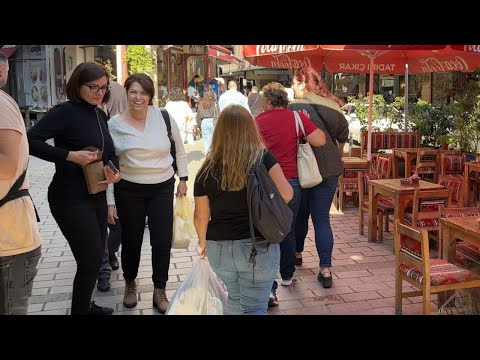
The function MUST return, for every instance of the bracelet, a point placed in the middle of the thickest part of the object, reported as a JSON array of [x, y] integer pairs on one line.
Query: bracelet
[[183, 178]]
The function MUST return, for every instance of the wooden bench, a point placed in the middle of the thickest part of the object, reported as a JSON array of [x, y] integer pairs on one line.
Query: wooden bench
[[382, 140]]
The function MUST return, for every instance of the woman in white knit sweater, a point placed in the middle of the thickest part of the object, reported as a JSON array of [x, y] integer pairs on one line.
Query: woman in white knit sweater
[[146, 189]]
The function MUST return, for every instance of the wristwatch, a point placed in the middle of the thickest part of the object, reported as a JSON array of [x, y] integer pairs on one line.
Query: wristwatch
[[184, 178]]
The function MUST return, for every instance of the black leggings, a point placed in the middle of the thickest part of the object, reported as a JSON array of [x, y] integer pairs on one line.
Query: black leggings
[[135, 202], [84, 225]]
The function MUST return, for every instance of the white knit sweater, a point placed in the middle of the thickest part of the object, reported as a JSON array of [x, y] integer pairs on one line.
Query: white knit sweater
[[144, 157]]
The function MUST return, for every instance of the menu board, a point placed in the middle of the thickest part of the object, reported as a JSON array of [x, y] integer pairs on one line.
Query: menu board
[[36, 82]]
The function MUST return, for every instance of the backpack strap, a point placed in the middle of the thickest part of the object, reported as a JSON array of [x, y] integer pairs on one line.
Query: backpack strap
[[253, 253], [15, 193], [173, 150]]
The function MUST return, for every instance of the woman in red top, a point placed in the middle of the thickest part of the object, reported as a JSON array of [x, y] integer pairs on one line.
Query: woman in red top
[[277, 127]]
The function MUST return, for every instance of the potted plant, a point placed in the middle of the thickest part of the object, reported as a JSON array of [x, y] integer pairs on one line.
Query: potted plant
[[446, 141]]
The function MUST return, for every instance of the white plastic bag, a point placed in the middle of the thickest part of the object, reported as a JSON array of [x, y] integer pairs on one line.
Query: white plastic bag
[[200, 294], [183, 228]]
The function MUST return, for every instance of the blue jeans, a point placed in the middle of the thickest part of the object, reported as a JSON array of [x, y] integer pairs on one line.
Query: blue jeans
[[317, 201], [287, 246], [229, 260], [17, 273], [207, 133]]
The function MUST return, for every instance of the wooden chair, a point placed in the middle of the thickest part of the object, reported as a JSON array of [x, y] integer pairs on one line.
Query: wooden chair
[[428, 276], [384, 208], [467, 255], [425, 209], [452, 164], [384, 165], [348, 182], [456, 184], [426, 164]]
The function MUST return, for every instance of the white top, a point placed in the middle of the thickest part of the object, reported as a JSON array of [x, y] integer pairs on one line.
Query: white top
[[144, 157], [18, 223], [233, 97], [180, 111]]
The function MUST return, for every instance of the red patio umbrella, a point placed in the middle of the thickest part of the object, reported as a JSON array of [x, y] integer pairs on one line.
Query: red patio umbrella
[[381, 59]]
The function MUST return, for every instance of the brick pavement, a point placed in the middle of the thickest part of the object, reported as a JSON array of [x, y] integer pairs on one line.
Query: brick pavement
[[363, 277]]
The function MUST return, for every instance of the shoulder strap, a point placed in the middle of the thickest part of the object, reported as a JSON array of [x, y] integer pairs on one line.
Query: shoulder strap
[[15, 192], [173, 149], [321, 119], [298, 124], [166, 117]]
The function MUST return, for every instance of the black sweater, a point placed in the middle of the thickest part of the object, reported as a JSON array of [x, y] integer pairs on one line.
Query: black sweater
[[72, 126]]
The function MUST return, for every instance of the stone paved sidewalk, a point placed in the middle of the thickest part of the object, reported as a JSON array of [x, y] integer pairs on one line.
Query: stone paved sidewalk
[[363, 277]]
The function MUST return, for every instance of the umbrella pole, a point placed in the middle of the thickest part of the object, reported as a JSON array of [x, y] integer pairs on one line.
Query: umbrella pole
[[406, 97], [370, 111]]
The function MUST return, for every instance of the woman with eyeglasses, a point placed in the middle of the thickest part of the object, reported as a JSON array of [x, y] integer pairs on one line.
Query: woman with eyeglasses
[[146, 190], [82, 217]]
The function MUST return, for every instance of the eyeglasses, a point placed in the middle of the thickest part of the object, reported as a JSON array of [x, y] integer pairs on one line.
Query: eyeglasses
[[95, 88]]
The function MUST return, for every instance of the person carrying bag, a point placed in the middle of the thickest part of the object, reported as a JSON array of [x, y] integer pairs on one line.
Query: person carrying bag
[[307, 167]]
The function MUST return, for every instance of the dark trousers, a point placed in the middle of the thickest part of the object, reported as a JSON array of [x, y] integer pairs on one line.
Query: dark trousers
[[17, 273], [111, 247], [135, 202], [84, 225], [287, 246], [317, 201]]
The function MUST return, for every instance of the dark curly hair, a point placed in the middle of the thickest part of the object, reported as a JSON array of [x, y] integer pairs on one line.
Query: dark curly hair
[[275, 94]]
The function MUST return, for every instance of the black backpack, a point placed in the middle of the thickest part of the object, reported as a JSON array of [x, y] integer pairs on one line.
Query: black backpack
[[268, 212], [173, 150]]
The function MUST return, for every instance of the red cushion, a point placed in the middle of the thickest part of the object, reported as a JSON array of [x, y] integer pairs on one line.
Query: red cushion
[[467, 255], [425, 222], [441, 273]]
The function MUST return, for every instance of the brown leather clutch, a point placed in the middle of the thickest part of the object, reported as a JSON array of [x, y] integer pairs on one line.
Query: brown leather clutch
[[94, 173]]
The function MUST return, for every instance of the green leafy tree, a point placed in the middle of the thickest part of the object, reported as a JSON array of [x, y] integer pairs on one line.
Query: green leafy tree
[[139, 60]]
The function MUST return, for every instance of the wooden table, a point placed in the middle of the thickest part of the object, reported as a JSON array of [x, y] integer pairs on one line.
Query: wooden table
[[408, 154], [401, 195], [466, 228], [469, 166], [353, 162]]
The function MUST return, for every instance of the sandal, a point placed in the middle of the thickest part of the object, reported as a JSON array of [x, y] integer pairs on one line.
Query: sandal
[[325, 278]]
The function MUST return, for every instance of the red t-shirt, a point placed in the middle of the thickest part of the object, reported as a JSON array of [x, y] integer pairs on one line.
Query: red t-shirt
[[277, 127]]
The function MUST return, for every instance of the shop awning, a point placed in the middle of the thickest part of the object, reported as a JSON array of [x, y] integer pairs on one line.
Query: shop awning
[[8, 50], [220, 52]]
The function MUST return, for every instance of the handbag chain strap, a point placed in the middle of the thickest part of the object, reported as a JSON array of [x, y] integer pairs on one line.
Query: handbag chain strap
[[101, 130]]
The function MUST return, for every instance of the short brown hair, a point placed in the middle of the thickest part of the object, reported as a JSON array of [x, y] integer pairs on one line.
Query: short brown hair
[[85, 72], [145, 82], [275, 93]]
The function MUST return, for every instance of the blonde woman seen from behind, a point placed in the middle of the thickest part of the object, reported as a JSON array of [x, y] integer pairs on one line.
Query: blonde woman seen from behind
[[221, 212]]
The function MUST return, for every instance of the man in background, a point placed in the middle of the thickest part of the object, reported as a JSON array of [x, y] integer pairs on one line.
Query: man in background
[[232, 96], [20, 243], [115, 104], [255, 101]]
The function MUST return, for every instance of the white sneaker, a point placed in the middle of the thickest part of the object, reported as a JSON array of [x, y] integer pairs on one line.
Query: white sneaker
[[286, 282]]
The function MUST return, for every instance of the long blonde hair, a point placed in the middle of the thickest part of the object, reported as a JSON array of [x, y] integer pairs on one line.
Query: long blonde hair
[[236, 145]]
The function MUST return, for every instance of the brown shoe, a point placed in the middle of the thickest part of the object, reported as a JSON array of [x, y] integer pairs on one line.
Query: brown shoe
[[130, 297], [160, 300]]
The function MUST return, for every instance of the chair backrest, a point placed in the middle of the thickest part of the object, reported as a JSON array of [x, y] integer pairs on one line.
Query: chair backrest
[[459, 211], [426, 161], [456, 184], [384, 165], [363, 184], [411, 246], [426, 206], [452, 163]]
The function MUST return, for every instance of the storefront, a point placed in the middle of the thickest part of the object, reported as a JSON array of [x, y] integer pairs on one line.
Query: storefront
[[170, 70], [206, 60]]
